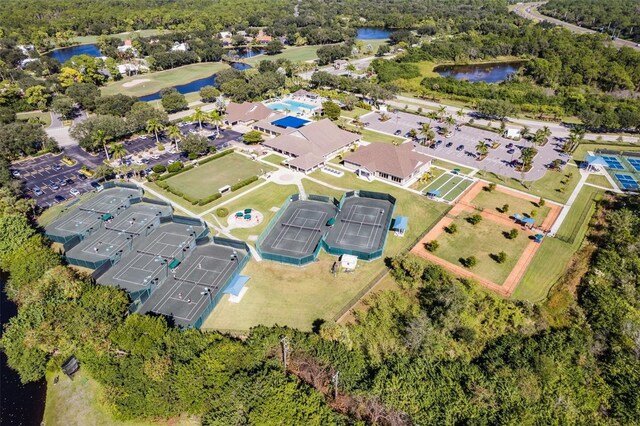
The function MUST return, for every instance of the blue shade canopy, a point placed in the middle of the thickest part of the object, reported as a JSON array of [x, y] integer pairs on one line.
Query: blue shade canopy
[[236, 285], [290, 121], [595, 160], [528, 220], [400, 223]]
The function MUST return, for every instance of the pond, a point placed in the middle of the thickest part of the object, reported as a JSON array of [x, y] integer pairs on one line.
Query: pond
[[369, 33], [66, 53], [195, 85], [19, 404], [489, 73]]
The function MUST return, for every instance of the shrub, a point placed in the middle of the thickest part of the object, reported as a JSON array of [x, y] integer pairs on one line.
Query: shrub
[[363, 105], [252, 137], [160, 147], [541, 202], [513, 234], [504, 208], [209, 199], [192, 156], [451, 229], [432, 246], [222, 212], [242, 183], [469, 262], [475, 219], [175, 167], [491, 187], [533, 213], [501, 257], [159, 168]]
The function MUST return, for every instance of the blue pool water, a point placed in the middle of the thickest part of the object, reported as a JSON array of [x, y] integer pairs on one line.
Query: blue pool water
[[372, 34], [66, 53], [194, 85], [291, 105]]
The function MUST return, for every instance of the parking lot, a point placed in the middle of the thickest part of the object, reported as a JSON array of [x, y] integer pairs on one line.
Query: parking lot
[[49, 181], [460, 145]]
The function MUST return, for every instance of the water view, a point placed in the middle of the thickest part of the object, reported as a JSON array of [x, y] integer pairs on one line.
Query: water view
[[195, 85], [488, 73], [66, 53], [372, 34]]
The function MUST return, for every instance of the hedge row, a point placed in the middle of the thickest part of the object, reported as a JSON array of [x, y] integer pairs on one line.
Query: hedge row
[[209, 199], [172, 174], [215, 157], [166, 186], [242, 183]]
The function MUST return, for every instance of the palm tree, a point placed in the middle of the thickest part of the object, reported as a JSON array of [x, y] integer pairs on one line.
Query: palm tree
[[118, 151], [432, 115], [442, 110], [524, 132], [482, 148], [427, 132], [450, 120], [526, 157], [99, 138], [155, 126], [216, 119], [460, 113], [200, 115], [174, 134]]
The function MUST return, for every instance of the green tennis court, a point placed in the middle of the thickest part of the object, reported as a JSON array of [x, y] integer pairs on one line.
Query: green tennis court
[[448, 187]]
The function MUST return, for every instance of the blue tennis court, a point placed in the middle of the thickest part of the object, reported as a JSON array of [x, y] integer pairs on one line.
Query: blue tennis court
[[627, 182], [613, 162], [635, 163]]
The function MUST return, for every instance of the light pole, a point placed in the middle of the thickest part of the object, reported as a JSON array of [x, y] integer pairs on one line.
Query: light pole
[[207, 292]]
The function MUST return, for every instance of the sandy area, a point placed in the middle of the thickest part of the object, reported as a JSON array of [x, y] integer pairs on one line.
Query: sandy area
[[133, 83]]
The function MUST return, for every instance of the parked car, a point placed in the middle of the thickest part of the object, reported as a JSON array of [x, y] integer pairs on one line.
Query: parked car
[[82, 176], [37, 191], [54, 186], [171, 161], [397, 132], [74, 192], [56, 167], [62, 182], [511, 151], [69, 181], [460, 148], [59, 198], [15, 173], [449, 145], [509, 145], [95, 185]]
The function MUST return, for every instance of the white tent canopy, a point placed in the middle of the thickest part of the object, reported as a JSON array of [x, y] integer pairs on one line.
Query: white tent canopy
[[349, 261]]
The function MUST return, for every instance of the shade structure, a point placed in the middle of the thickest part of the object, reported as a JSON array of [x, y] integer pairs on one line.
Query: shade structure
[[236, 285], [107, 216], [174, 264], [290, 121], [528, 221], [331, 221], [433, 193], [595, 160], [400, 223]]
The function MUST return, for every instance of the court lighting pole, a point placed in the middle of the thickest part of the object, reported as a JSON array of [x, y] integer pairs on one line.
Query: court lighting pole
[[234, 256], [207, 292]]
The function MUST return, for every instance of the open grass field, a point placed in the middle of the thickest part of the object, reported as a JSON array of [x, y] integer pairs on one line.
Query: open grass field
[[372, 136], [43, 117], [450, 186], [599, 180], [356, 112], [554, 255], [450, 166], [550, 186], [495, 200], [274, 159], [484, 240], [79, 402], [205, 180], [316, 188], [293, 53], [162, 79]]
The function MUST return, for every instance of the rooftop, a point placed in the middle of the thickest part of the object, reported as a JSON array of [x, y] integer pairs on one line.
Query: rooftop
[[400, 161]]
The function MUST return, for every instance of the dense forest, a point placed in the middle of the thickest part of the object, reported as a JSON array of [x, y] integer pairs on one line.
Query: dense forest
[[618, 18], [438, 350]]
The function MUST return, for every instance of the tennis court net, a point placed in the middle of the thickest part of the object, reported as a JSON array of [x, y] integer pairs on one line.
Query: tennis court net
[[154, 254], [355, 222], [122, 230], [308, 228], [87, 209]]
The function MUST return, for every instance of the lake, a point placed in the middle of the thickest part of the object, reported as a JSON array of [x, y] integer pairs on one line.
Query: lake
[[194, 85], [66, 53], [369, 33], [489, 73], [19, 404]]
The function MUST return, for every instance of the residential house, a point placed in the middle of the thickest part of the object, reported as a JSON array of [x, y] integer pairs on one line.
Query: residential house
[[399, 164]]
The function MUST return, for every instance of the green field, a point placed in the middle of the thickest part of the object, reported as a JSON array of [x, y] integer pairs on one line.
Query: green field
[[599, 180], [294, 54], [371, 136], [449, 185], [162, 79], [495, 200], [554, 255], [44, 117], [274, 159], [205, 180], [484, 240], [451, 166], [549, 186], [356, 112]]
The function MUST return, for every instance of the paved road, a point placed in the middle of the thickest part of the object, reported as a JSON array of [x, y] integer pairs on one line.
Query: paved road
[[530, 11]]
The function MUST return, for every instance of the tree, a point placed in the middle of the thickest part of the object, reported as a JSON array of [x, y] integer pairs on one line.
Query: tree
[[474, 219], [155, 126], [103, 172], [383, 49], [37, 96], [141, 113], [428, 133], [501, 257], [199, 116], [482, 148], [118, 151], [216, 119], [118, 105], [209, 94], [100, 138], [194, 144], [252, 137], [504, 208], [526, 156], [84, 94], [69, 76], [469, 262], [274, 47], [64, 106], [513, 234], [174, 133], [331, 110], [432, 245], [172, 100]]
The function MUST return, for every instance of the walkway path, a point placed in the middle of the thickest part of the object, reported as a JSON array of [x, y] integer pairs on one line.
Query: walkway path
[[565, 210]]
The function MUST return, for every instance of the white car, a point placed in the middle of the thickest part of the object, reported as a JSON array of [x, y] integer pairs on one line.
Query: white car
[[155, 157], [171, 161], [15, 173], [74, 192]]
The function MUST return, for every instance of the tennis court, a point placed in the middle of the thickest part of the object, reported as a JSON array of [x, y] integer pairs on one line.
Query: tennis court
[[626, 181], [613, 163], [110, 200], [78, 222], [298, 231], [448, 187], [635, 163], [361, 226]]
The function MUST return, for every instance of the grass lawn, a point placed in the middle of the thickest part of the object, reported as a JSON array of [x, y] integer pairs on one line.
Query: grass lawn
[[262, 199], [599, 180], [294, 54], [79, 402], [451, 166], [356, 112], [205, 180], [450, 186], [162, 79], [482, 241], [312, 187], [372, 136], [295, 296], [44, 117], [274, 159], [547, 187], [420, 186], [495, 200], [554, 255]]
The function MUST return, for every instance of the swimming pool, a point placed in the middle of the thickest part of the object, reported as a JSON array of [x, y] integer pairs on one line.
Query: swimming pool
[[292, 106]]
